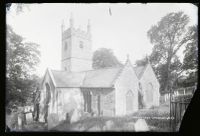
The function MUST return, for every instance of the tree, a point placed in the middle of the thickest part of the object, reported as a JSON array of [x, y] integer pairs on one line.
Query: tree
[[168, 36], [104, 58], [21, 60], [190, 61], [142, 62], [19, 7]]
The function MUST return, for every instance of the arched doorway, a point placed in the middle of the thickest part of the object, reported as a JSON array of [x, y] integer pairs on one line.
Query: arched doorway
[[149, 92], [129, 101]]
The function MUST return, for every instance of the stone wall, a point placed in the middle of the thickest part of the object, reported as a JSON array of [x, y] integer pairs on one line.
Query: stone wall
[[127, 81]]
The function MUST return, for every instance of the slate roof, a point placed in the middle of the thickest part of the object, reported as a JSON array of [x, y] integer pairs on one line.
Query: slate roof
[[68, 79], [103, 78], [139, 71]]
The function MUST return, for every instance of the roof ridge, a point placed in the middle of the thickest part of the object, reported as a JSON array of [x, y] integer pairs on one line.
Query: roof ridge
[[144, 68], [119, 72], [87, 70], [103, 68]]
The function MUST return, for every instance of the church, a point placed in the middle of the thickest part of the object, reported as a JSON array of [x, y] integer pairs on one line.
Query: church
[[112, 91]]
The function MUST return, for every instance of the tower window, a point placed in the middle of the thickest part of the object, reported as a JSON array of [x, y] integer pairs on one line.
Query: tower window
[[81, 45], [66, 45]]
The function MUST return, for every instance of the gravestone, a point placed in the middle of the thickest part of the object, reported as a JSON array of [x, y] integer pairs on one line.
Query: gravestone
[[94, 129], [52, 120], [130, 126], [29, 117], [141, 125], [108, 125], [75, 116], [20, 121]]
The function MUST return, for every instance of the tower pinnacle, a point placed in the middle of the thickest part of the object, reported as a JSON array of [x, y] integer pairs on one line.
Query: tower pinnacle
[[71, 20], [88, 26], [62, 26]]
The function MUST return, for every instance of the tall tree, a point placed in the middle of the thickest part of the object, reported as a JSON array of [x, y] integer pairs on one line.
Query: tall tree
[[21, 60], [142, 62], [19, 7], [168, 36], [104, 58], [190, 61]]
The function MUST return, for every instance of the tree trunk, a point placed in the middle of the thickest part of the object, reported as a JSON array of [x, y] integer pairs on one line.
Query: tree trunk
[[166, 86]]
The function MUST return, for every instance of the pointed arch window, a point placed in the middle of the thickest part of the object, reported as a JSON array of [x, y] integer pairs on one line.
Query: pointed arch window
[[150, 92], [129, 101]]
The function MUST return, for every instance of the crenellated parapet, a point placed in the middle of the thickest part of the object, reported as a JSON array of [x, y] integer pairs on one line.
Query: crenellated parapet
[[72, 31], [76, 32]]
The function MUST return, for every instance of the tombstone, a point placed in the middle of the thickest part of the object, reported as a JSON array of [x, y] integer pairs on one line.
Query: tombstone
[[75, 116], [85, 115], [52, 121], [94, 128], [141, 125], [108, 125], [130, 126], [67, 119], [29, 117], [20, 121]]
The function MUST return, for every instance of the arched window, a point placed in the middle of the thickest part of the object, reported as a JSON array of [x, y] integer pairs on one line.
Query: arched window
[[140, 96], [66, 45], [129, 101], [149, 92]]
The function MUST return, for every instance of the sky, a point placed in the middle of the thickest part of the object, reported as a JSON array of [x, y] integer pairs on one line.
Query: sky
[[124, 30]]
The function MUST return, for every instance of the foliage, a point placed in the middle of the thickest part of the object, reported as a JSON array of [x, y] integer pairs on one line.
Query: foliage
[[21, 60], [168, 36], [142, 62], [103, 58], [19, 7]]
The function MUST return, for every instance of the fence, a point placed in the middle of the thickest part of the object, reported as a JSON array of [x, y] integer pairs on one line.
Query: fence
[[178, 92], [178, 106]]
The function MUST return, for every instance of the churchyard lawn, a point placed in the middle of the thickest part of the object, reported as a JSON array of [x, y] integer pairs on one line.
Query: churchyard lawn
[[157, 119]]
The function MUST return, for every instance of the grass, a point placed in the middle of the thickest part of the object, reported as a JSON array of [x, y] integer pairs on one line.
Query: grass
[[157, 120]]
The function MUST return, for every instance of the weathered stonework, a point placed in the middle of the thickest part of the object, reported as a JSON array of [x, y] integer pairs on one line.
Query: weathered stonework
[[149, 78], [127, 81], [77, 89]]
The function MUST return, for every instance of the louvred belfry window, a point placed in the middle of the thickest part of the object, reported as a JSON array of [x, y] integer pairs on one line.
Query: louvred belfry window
[[66, 46]]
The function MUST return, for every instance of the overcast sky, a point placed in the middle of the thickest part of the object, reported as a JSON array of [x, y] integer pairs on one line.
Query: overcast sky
[[125, 31]]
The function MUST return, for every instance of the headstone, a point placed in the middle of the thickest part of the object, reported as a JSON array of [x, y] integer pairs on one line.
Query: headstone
[[94, 128], [130, 126], [141, 125], [75, 116], [84, 115], [52, 120], [29, 117], [109, 125], [20, 121]]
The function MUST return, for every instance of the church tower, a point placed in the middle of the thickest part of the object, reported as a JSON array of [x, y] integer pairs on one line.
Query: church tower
[[76, 48]]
